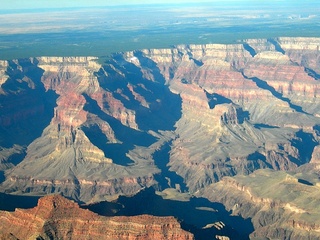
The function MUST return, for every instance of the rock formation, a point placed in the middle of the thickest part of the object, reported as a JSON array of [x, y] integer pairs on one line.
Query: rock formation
[[281, 205], [183, 117], [275, 101], [55, 217], [65, 151]]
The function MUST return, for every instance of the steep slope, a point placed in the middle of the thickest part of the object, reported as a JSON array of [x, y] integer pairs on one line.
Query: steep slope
[[233, 121], [85, 150], [281, 205], [58, 218], [182, 118], [25, 109], [199, 216]]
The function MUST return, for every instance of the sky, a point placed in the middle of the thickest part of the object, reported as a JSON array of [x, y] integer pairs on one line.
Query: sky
[[29, 4], [32, 4]]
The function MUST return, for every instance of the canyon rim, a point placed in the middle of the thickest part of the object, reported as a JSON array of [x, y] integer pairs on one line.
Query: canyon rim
[[208, 121]]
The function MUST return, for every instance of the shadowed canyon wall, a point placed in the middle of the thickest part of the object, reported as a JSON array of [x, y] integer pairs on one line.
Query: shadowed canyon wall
[[89, 130], [181, 118]]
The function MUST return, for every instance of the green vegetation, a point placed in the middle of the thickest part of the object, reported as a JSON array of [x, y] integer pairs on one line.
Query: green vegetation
[[103, 31]]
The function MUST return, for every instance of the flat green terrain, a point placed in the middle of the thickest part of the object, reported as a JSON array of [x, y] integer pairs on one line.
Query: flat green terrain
[[105, 30]]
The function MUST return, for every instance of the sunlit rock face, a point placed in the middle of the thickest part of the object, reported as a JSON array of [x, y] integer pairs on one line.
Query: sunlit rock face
[[244, 107], [183, 117], [279, 203], [55, 217]]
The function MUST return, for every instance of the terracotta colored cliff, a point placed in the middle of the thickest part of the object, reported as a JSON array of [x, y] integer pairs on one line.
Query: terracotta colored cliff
[[59, 218], [80, 114], [195, 113]]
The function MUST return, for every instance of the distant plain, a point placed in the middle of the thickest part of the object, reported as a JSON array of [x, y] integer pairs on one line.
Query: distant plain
[[106, 30]]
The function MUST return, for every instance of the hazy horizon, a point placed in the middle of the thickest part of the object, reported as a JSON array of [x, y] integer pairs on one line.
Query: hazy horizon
[[42, 28], [36, 4]]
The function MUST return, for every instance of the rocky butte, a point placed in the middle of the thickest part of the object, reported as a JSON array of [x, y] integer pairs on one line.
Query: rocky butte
[[281, 205], [58, 218], [181, 118]]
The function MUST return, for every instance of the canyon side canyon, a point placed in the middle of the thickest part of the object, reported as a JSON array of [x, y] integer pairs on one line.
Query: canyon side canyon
[[236, 125]]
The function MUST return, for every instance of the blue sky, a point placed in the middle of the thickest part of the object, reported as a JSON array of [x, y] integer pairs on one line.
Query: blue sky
[[32, 4], [29, 4]]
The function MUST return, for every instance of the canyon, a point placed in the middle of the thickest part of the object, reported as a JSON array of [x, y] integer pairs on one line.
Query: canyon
[[55, 217], [206, 120], [280, 205]]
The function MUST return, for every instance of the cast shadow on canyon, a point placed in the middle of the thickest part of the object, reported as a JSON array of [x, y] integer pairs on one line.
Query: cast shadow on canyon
[[308, 70], [155, 107], [316, 128], [264, 85], [2, 177], [215, 99], [312, 73], [276, 45], [26, 118], [305, 182], [263, 125], [127, 136], [11, 202], [303, 141], [195, 215], [162, 108], [13, 160], [306, 144], [247, 47], [167, 178]]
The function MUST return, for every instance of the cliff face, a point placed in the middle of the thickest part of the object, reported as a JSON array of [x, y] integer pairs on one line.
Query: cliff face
[[281, 205], [25, 109], [304, 52], [58, 218], [241, 105], [76, 152], [183, 117]]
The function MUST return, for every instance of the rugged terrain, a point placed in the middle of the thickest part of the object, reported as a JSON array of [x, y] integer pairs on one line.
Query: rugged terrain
[[180, 118], [55, 217], [281, 205]]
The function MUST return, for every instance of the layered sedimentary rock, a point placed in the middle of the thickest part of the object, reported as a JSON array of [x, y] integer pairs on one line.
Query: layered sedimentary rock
[[197, 215], [55, 217], [303, 51], [241, 105], [281, 205], [183, 117], [26, 108], [3, 68], [72, 152]]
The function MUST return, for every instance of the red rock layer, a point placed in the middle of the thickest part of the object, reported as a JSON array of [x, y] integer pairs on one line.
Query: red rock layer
[[63, 158], [211, 141], [303, 51], [284, 76], [235, 111], [58, 218]]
